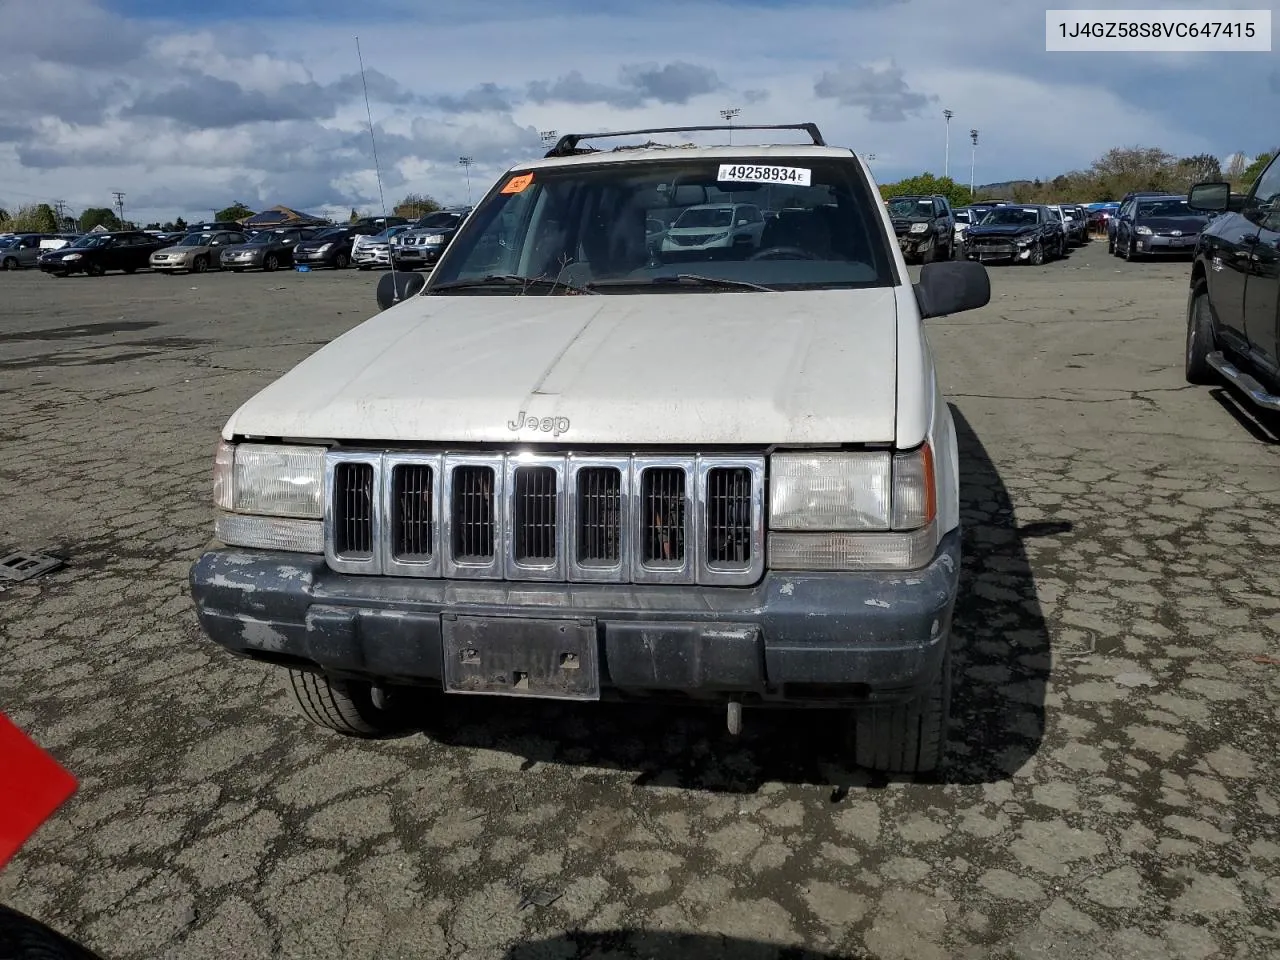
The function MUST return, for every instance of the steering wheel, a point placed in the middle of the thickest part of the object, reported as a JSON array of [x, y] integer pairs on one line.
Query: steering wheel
[[783, 253]]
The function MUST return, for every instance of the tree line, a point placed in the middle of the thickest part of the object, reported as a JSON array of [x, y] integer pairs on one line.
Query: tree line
[[1118, 171], [43, 218]]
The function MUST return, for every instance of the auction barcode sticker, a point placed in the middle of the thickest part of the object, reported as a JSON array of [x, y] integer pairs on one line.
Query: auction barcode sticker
[[1144, 31], [753, 173]]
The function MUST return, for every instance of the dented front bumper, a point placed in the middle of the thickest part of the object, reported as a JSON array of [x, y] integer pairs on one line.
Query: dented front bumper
[[812, 637]]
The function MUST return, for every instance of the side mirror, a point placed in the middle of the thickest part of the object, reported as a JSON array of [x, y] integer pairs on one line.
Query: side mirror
[[952, 286], [1209, 197], [394, 288]]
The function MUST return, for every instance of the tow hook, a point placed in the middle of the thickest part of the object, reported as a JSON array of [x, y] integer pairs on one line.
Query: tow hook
[[733, 717]]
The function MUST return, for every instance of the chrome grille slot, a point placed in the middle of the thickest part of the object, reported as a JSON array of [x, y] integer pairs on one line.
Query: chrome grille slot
[[413, 511], [474, 524], [353, 510], [599, 533], [728, 506], [662, 497], [534, 524]]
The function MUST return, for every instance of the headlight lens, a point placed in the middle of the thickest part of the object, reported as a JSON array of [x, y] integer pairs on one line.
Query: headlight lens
[[433, 238], [72, 256], [1143, 231], [323, 247], [271, 480], [852, 511], [919, 228], [836, 491]]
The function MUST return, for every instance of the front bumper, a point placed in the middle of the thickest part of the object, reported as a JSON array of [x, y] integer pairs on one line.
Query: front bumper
[[250, 263], [795, 637], [417, 255], [315, 258], [1167, 245], [166, 264], [993, 252], [914, 244], [61, 266]]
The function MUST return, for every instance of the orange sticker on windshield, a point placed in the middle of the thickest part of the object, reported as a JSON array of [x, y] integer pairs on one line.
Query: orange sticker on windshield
[[517, 184]]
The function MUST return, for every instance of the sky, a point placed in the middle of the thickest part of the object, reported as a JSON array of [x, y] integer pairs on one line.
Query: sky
[[187, 107]]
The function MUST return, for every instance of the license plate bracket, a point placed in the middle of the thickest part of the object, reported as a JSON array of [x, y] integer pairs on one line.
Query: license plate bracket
[[548, 658]]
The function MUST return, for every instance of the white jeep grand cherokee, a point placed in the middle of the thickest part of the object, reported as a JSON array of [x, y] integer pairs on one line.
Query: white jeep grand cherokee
[[579, 462]]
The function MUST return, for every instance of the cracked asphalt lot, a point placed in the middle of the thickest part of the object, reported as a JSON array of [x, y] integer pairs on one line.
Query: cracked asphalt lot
[[1113, 788]]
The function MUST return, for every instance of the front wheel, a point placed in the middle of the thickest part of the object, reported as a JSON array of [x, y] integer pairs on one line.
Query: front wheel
[[908, 737], [1037, 255], [341, 262], [1200, 339], [1111, 246], [199, 265], [10, 263], [270, 262], [94, 269], [346, 706], [1130, 254]]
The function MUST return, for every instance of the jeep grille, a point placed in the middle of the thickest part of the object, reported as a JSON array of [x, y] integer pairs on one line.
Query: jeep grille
[[572, 517]]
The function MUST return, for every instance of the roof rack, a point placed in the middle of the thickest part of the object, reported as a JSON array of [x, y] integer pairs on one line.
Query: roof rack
[[567, 146]]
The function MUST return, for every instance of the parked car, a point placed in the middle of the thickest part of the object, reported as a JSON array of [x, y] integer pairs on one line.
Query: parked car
[[96, 253], [56, 241], [1152, 226], [1233, 311], [1025, 233], [196, 252], [267, 249], [375, 251], [1073, 224], [427, 238], [433, 509], [714, 227], [925, 227], [20, 251], [331, 247]]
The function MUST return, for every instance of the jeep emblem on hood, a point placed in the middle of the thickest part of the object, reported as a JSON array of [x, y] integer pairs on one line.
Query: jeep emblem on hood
[[552, 425]]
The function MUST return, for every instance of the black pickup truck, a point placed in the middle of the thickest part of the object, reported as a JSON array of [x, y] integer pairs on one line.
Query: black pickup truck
[[96, 253], [1233, 309]]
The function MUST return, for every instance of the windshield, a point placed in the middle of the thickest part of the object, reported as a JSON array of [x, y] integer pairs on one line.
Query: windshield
[[592, 226], [196, 240], [911, 207], [386, 234], [267, 236], [333, 233], [438, 219], [1011, 217], [704, 217], [92, 240], [1174, 207]]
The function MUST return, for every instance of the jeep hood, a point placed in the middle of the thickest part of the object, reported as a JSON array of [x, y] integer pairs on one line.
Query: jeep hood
[[671, 368]]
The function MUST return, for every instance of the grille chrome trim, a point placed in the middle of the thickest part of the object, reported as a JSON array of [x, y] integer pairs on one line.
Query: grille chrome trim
[[629, 567], [391, 563], [492, 568], [579, 571], [670, 572], [725, 573], [335, 560], [514, 568]]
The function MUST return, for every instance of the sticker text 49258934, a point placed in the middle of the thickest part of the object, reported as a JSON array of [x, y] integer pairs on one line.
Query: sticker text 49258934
[[752, 173]]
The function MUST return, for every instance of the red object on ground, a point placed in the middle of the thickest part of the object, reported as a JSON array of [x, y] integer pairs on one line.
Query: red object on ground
[[32, 786]]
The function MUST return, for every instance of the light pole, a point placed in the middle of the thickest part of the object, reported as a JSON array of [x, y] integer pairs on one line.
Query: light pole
[[728, 114], [973, 157], [465, 163], [946, 167]]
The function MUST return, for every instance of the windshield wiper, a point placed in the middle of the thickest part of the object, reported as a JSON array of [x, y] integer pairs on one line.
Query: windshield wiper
[[684, 279], [509, 280]]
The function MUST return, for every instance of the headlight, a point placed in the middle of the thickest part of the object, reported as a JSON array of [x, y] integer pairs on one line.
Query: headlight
[[1023, 241], [852, 511], [919, 228], [269, 479], [323, 247], [433, 238], [1142, 231], [72, 256]]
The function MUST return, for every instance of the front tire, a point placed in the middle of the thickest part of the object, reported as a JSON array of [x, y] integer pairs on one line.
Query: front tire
[[346, 706], [94, 269], [908, 737], [10, 263], [199, 265], [341, 262], [270, 262], [1200, 339], [1037, 255], [1130, 254]]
